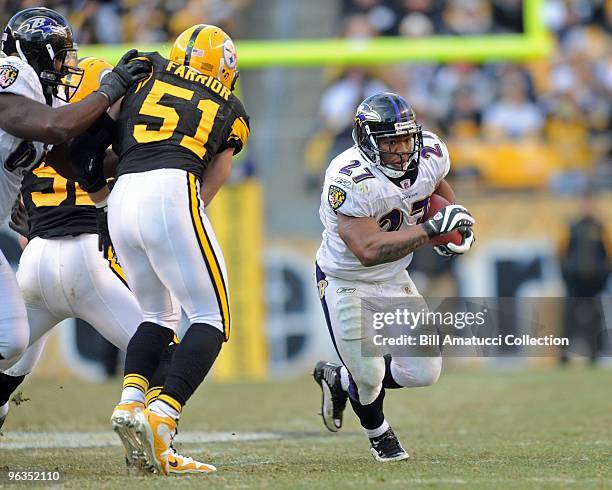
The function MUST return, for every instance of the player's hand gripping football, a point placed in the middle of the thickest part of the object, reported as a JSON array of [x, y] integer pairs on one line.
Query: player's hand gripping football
[[451, 249], [453, 217], [127, 72]]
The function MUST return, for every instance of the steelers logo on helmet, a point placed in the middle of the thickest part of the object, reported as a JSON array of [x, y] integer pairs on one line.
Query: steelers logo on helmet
[[229, 54]]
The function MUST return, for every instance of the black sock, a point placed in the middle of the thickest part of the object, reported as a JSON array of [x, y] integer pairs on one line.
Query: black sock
[[143, 355], [192, 360], [156, 383], [388, 381], [8, 384], [371, 416]]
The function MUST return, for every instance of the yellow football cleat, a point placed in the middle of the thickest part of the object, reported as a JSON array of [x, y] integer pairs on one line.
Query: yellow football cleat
[[181, 465], [155, 432], [122, 421]]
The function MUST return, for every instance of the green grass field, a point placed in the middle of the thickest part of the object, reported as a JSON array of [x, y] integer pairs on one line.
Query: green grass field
[[547, 428]]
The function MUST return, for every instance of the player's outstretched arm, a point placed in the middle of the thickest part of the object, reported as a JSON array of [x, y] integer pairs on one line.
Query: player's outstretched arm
[[33, 121], [30, 120]]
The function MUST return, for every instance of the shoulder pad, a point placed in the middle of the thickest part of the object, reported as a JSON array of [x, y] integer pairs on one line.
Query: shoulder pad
[[18, 77]]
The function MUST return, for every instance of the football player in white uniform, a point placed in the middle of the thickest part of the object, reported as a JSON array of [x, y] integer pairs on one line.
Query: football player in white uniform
[[373, 204], [40, 53]]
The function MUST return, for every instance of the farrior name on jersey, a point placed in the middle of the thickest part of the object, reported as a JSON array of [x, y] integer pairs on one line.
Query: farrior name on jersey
[[194, 75]]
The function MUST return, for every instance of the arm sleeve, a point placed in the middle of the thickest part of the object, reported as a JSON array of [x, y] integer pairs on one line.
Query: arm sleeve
[[18, 78], [443, 162], [238, 131], [347, 199], [435, 154]]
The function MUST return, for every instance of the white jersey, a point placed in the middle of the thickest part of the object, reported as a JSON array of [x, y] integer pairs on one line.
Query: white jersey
[[355, 187], [16, 155]]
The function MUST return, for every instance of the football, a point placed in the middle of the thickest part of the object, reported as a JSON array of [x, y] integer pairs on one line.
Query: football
[[436, 203]]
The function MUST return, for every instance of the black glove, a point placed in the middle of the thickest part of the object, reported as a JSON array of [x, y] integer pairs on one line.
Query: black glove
[[19, 218], [87, 161], [104, 239], [87, 153], [448, 219], [127, 72]]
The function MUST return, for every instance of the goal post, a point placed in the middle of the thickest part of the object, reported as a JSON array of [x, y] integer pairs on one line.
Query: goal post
[[534, 42]]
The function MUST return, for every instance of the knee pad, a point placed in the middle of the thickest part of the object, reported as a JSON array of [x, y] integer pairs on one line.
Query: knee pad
[[18, 342], [413, 372]]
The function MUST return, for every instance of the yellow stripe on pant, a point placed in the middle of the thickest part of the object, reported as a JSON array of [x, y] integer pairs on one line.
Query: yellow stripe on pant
[[209, 255], [115, 266]]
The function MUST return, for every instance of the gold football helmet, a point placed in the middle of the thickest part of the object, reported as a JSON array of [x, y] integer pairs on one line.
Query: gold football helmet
[[94, 71], [209, 50]]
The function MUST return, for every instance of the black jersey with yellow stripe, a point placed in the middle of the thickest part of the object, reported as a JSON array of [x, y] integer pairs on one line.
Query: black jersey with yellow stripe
[[177, 118], [56, 206]]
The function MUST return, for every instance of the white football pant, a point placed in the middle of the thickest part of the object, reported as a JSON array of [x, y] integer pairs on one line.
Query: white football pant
[[68, 277], [14, 330], [167, 247], [341, 301]]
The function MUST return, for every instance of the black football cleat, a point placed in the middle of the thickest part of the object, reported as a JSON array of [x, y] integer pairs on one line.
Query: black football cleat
[[387, 447], [333, 402]]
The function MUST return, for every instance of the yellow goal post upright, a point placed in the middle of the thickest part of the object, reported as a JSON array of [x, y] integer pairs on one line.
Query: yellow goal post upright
[[292, 53], [241, 235]]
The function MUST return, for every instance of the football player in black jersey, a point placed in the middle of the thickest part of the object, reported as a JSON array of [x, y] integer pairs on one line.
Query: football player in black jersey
[[62, 273], [176, 135]]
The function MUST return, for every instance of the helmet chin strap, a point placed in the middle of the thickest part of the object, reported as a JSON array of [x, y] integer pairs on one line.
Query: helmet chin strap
[[20, 52], [389, 172], [393, 172]]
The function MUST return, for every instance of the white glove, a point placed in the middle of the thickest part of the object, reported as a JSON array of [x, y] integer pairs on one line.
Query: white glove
[[452, 249]]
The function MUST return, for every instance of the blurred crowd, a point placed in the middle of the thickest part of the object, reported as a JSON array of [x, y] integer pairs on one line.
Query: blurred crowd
[[541, 123], [140, 21]]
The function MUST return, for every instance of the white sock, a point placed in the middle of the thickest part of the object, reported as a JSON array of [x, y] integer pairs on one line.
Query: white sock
[[4, 410], [384, 427], [131, 394], [344, 378], [161, 408]]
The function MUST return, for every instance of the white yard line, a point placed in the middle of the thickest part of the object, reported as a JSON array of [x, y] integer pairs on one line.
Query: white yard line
[[49, 440]]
